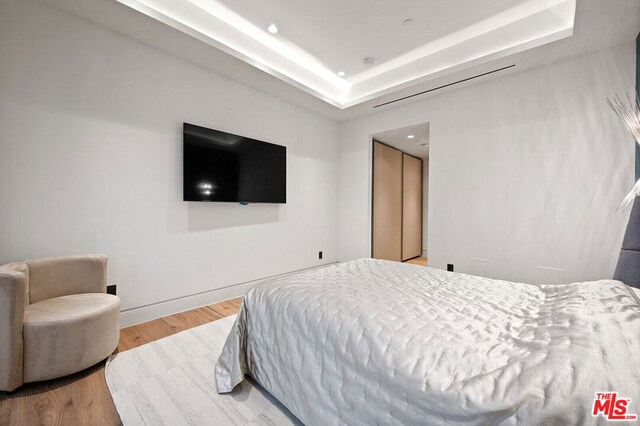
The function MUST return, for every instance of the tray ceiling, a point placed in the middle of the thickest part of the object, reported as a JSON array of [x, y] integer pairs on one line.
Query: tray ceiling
[[316, 40]]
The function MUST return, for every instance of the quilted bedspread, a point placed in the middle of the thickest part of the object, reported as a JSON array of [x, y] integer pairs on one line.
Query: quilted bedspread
[[373, 342]]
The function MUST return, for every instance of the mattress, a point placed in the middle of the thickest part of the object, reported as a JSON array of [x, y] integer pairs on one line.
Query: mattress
[[375, 342]]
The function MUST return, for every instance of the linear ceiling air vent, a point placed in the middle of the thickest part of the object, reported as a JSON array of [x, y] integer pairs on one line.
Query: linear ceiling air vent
[[445, 85]]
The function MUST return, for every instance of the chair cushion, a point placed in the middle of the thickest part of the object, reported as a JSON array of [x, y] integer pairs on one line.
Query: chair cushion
[[67, 334], [51, 277]]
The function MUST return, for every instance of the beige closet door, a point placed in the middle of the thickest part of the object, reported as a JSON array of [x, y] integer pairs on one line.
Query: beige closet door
[[411, 207], [387, 203]]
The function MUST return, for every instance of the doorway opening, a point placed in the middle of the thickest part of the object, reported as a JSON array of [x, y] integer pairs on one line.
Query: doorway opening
[[400, 194]]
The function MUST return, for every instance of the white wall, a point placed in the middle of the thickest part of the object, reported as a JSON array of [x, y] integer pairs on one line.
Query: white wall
[[525, 171], [91, 162]]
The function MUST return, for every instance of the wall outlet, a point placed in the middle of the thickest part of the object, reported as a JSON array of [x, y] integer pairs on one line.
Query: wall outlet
[[319, 255], [450, 267], [111, 289]]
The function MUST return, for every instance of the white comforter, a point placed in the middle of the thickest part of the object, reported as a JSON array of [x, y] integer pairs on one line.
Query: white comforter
[[374, 342]]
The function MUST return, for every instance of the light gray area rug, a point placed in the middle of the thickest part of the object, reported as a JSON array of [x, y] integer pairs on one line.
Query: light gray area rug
[[172, 382]]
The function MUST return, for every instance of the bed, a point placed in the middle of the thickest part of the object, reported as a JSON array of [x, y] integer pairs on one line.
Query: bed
[[377, 342]]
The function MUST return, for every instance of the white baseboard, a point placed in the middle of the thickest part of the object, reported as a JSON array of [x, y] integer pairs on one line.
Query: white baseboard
[[153, 311], [162, 309]]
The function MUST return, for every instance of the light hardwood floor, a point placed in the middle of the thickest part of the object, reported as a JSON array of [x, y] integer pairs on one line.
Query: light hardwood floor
[[83, 398], [418, 261]]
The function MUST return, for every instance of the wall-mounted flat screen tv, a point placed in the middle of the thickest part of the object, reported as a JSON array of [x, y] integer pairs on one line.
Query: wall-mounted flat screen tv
[[220, 166]]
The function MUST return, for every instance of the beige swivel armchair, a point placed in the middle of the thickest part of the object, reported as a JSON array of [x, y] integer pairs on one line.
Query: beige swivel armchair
[[55, 318]]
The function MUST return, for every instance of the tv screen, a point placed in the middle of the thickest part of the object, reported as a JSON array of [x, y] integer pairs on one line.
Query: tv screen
[[220, 166]]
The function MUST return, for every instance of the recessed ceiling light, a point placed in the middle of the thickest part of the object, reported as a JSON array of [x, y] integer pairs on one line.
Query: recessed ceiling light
[[341, 73], [407, 21], [272, 28], [410, 137]]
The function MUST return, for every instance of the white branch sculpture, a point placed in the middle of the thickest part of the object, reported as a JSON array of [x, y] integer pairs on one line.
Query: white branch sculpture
[[629, 113]]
